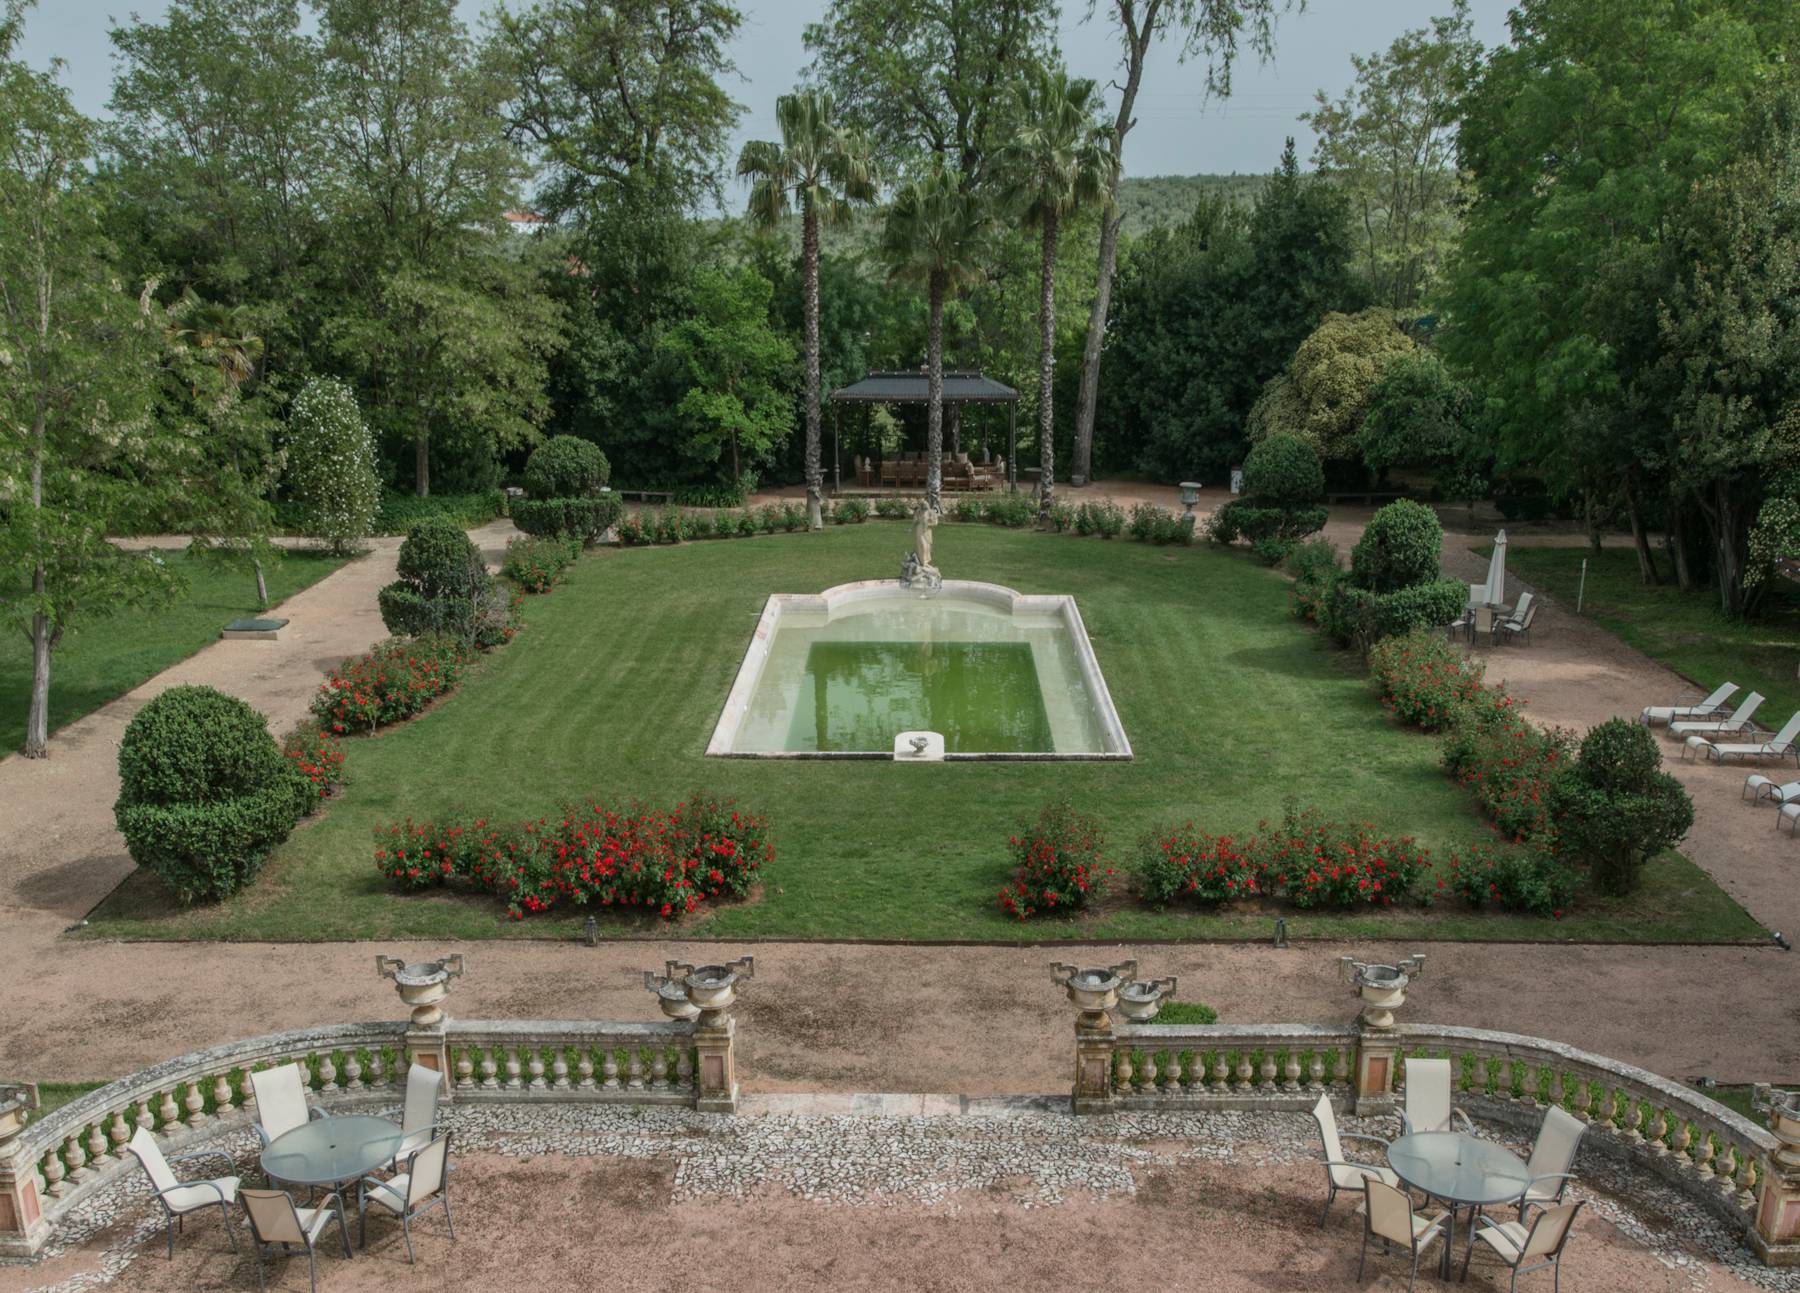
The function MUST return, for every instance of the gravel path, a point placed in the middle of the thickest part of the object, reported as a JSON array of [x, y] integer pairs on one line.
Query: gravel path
[[1007, 1195], [888, 1018]]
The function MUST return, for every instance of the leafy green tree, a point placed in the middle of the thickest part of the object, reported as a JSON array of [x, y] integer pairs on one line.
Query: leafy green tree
[[1614, 808], [1390, 144], [823, 168], [330, 469], [1326, 390], [77, 368], [928, 81], [934, 234], [1730, 333], [1419, 415], [440, 326], [216, 150], [1057, 164], [736, 367], [1212, 29]]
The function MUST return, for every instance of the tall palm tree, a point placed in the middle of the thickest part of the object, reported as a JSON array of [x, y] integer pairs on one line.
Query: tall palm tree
[[935, 234], [1058, 163], [824, 169], [222, 333]]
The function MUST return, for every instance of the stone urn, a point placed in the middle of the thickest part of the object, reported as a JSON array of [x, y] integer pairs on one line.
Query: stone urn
[[671, 993], [712, 989], [422, 985], [1781, 1108], [1092, 992], [17, 1100], [1382, 987], [1140, 999]]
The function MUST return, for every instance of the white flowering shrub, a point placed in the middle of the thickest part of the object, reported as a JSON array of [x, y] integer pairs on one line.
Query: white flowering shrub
[[331, 465]]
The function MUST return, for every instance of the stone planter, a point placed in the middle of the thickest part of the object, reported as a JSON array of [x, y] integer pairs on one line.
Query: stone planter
[[1139, 1000], [422, 985], [1382, 987], [671, 994], [1093, 992], [712, 989], [16, 1103]]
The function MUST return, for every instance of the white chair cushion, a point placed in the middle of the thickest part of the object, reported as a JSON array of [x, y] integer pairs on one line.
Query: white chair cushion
[[1350, 1178], [390, 1194], [313, 1220], [199, 1194], [1423, 1224], [1507, 1238]]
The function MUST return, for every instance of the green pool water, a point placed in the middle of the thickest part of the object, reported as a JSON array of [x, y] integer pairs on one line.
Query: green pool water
[[982, 696]]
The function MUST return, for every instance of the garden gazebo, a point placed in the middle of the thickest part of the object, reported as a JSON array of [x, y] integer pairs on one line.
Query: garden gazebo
[[912, 386]]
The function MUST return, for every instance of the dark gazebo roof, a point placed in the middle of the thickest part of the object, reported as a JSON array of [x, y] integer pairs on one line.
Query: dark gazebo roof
[[910, 386]]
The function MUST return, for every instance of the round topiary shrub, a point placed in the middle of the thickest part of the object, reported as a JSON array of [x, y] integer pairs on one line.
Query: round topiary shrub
[[439, 560], [1284, 471], [566, 466], [581, 518], [1615, 808], [205, 792], [1400, 548], [330, 469]]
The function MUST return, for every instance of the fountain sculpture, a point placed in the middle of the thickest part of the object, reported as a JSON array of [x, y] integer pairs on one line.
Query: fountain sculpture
[[916, 571]]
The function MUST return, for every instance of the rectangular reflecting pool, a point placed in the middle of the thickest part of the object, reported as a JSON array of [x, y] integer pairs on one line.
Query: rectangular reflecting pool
[[845, 672]]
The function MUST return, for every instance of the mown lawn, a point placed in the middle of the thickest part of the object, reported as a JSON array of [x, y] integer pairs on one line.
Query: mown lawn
[[612, 691], [1685, 631], [102, 659]]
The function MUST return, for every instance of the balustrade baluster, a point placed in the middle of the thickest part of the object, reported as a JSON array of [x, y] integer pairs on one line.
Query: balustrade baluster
[[634, 1071], [559, 1069], [1609, 1107], [1219, 1079], [659, 1069], [684, 1068], [145, 1118], [1244, 1071], [222, 1093], [353, 1071], [96, 1144], [1634, 1120], [1747, 1174], [535, 1065], [584, 1069], [1124, 1078], [195, 1104], [378, 1076], [512, 1069], [328, 1071], [55, 1183], [609, 1069], [465, 1068], [1267, 1071], [489, 1069], [1704, 1149], [1659, 1128], [1315, 1071], [76, 1158], [1148, 1071], [119, 1133], [166, 1112], [1290, 1072]]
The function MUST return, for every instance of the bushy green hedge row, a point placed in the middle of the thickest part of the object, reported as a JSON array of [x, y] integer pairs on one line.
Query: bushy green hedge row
[[445, 587], [583, 518]]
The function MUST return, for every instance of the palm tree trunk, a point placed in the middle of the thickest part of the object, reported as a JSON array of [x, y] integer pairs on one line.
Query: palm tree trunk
[[934, 397], [815, 476], [1047, 370]]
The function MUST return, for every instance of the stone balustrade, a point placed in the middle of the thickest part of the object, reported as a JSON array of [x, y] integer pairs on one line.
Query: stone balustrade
[[570, 1060], [1230, 1066]]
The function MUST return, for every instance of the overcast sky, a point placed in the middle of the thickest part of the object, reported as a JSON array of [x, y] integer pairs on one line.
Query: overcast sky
[[1178, 131]]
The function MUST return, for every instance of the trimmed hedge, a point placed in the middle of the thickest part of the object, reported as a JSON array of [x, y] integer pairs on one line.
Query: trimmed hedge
[[1284, 471], [584, 518], [445, 587], [205, 792], [1400, 547]]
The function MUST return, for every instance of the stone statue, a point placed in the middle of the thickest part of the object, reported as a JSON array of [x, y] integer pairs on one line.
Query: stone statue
[[917, 571]]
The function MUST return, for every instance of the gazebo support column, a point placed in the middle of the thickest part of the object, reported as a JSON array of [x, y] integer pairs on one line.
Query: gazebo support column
[[1012, 448]]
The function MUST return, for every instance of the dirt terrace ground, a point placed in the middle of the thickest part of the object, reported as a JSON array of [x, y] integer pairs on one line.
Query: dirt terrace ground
[[849, 1017]]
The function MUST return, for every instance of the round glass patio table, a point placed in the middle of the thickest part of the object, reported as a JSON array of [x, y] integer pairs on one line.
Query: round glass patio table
[[1462, 1170], [330, 1152]]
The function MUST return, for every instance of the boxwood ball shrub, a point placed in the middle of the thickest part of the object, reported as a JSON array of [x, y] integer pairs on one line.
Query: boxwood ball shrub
[[586, 519], [1284, 471], [444, 587], [330, 474], [566, 466], [205, 792], [1400, 547], [1615, 808]]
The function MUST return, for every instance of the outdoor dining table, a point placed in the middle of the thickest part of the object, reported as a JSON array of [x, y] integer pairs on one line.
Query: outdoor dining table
[[1463, 1171], [330, 1153]]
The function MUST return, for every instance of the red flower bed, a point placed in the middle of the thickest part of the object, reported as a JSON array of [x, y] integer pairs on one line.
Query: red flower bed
[[1059, 864], [316, 755], [1192, 866], [391, 683], [667, 862], [1507, 763], [1429, 683], [1519, 877]]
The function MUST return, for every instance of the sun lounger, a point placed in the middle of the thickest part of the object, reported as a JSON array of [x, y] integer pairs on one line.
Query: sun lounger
[[1779, 746], [1707, 708], [1711, 727]]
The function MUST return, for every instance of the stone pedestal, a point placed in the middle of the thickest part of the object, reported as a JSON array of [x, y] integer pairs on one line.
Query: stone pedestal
[[423, 986], [1377, 1055], [716, 1074], [23, 1229], [1776, 1237], [1093, 1090], [430, 1048]]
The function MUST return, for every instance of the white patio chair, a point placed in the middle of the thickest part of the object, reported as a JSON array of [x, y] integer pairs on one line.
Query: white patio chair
[[1428, 1106], [178, 1198], [1707, 708], [281, 1103], [418, 1121], [1758, 788], [422, 1186], [1340, 1172], [1552, 1159], [1779, 746], [275, 1219], [1526, 1248], [1518, 624], [1738, 721], [1389, 1218]]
